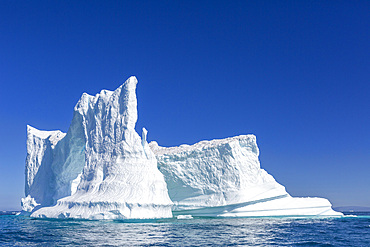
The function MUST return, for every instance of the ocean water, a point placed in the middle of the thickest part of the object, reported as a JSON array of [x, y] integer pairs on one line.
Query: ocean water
[[346, 231]]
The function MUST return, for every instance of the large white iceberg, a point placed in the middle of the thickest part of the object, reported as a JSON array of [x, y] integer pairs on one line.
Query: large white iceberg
[[102, 169], [224, 178]]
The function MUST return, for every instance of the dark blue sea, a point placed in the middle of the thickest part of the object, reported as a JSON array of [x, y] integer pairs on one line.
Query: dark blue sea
[[346, 231]]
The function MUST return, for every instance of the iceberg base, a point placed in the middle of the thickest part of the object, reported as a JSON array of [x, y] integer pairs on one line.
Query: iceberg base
[[103, 211], [279, 206]]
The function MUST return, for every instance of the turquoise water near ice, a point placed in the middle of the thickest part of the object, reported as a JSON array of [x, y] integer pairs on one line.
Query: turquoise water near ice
[[346, 231]]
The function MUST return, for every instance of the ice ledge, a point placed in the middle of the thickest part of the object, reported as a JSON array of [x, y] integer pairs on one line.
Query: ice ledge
[[104, 211], [283, 206], [249, 140], [54, 136]]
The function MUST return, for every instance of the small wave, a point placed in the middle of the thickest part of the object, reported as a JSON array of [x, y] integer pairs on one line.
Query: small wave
[[184, 217]]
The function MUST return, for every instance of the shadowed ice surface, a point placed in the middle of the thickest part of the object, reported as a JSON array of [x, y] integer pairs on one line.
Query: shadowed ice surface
[[347, 231]]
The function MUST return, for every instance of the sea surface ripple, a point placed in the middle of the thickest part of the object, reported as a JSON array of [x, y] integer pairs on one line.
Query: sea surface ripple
[[346, 231]]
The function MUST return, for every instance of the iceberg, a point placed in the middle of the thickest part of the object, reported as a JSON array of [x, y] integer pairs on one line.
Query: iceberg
[[223, 178], [102, 169]]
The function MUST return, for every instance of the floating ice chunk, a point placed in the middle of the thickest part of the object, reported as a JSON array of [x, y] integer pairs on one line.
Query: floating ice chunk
[[184, 217], [28, 203], [102, 169]]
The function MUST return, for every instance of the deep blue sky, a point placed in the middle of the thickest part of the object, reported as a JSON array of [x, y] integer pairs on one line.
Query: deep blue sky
[[294, 73]]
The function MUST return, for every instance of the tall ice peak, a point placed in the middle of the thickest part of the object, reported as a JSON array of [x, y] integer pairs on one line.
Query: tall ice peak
[[101, 169], [120, 101]]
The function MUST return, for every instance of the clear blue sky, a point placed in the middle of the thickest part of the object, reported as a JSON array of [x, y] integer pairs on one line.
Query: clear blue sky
[[294, 73]]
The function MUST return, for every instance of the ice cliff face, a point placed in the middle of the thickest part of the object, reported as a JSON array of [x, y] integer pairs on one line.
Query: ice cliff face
[[224, 178], [100, 169], [40, 146]]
